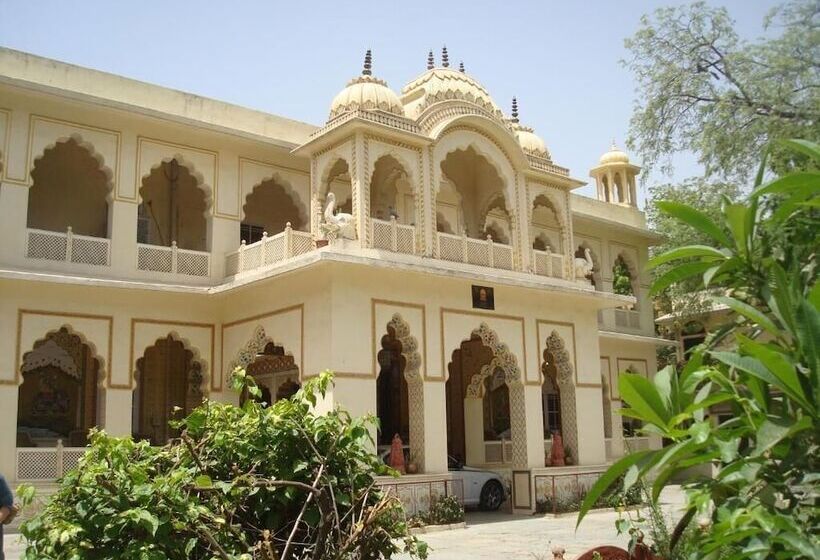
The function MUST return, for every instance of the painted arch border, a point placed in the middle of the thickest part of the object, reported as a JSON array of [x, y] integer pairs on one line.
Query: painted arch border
[[492, 320], [377, 327], [202, 345], [544, 328], [99, 336]]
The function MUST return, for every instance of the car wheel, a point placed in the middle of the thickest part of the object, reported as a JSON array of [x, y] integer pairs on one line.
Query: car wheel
[[492, 496]]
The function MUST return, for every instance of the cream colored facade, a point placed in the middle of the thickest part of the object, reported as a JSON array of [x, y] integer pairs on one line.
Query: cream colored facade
[[445, 192]]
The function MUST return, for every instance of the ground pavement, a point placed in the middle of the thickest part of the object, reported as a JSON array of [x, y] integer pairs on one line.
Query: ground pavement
[[494, 536]]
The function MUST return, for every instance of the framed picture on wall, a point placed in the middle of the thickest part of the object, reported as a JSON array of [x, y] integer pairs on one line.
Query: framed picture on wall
[[483, 297]]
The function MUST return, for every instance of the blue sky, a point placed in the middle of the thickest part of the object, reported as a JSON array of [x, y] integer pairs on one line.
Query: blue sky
[[560, 58]]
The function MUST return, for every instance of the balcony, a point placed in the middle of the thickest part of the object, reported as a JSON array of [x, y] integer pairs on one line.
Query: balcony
[[68, 247], [627, 319], [547, 263], [392, 236], [268, 251], [173, 260], [463, 249]]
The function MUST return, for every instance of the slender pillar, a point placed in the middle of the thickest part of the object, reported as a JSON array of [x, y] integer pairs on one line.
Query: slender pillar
[[361, 194], [474, 431]]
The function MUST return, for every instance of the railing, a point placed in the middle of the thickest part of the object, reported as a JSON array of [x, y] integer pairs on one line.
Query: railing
[[418, 492], [44, 464], [68, 247], [627, 318], [498, 452], [636, 444], [460, 248], [268, 250], [173, 260], [562, 491], [393, 236], [547, 263]]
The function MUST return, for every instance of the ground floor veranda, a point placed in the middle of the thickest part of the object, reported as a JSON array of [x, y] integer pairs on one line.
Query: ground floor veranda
[[488, 386]]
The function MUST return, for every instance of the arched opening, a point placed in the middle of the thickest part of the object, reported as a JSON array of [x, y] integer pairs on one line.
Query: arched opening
[[585, 252], [275, 373], [60, 395], [605, 183], [620, 188], [465, 362], [69, 189], [338, 182], [622, 278], [173, 209], [442, 225], [550, 397], [471, 194], [392, 395], [268, 208], [496, 405], [692, 334], [391, 193], [169, 386], [557, 368], [545, 226]]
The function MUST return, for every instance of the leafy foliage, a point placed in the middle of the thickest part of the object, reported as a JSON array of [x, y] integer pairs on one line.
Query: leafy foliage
[[276, 482], [763, 501], [443, 511], [703, 89], [622, 278]]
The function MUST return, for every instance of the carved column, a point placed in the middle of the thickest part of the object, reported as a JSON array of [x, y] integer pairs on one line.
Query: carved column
[[427, 192], [360, 189], [524, 244]]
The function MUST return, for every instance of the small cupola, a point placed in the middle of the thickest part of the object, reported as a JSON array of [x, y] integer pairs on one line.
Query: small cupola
[[530, 142], [366, 93], [615, 177]]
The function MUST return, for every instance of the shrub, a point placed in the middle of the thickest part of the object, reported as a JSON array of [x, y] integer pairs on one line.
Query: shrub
[[267, 483], [443, 511]]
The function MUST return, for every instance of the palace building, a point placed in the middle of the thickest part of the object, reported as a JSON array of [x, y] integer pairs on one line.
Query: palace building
[[421, 243]]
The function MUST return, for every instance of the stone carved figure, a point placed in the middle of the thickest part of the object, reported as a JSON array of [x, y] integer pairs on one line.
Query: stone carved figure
[[557, 452], [337, 224], [583, 267], [397, 454]]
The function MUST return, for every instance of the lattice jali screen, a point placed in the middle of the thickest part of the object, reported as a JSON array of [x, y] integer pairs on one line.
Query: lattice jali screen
[[37, 464], [502, 256], [627, 318], [493, 452], [154, 258], [193, 263], [450, 247], [478, 252], [540, 262], [275, 249], [382, 234], [46, 245], [302, 243], [71, 457], [557, 265], [252, 256], [90, 250], [406, 239]]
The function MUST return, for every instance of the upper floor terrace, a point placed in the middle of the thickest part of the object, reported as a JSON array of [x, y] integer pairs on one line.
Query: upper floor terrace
[[96, 184]]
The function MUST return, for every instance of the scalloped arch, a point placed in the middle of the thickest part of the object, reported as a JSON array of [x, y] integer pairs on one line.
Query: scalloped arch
[[247, 354], [287, 187], [102, 370], [195, 357], [187, 164], [88, 147]]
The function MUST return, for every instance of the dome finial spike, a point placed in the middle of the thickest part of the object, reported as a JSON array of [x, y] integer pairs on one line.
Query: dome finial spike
[[445, 58], [514, 110], [368, 63], [431, 63], [614, 146], [461, 67]]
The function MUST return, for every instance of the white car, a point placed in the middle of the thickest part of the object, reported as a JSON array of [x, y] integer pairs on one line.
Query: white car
[[482, 488]]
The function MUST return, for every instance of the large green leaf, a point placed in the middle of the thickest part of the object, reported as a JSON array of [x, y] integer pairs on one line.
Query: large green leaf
[[751, 313], [679, 273], [608, 478], [696, 219], [772, 432], [644, 399], [805, 147], [780, 366], [789, 183], [704, 251], [737, 218]]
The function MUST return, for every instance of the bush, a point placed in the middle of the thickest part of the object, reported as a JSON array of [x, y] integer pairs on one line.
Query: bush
[[266, 483], [443, 511]]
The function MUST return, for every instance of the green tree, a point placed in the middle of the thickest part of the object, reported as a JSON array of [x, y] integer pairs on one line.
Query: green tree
[[703, 89], [763, 502], [252, 482]]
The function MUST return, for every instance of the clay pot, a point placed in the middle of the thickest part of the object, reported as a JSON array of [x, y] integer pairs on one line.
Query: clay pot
[[412, 468]]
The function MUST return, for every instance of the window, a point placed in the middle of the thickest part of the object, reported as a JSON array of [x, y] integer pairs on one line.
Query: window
[[250, 233], [552, 414]]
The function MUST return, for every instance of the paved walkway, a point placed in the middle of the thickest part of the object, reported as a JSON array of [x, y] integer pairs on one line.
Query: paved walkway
[[493, 536]]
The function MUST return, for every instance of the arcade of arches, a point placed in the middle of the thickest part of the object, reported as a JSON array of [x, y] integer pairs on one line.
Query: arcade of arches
[[275, 373], [391, 194], [269, 208]]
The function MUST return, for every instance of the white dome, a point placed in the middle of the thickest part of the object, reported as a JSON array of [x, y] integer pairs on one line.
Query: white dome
[[368, 94], [530, 141], [614, 155], [442, 84]]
